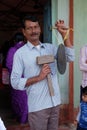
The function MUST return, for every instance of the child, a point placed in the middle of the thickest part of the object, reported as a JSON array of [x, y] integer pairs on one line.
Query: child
[[82, 115]]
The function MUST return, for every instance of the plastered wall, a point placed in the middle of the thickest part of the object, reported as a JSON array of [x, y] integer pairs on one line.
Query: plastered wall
[[60, 10], [80, 39]]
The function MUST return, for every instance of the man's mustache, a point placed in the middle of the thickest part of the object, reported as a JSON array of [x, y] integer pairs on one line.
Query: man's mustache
[[34, 34]]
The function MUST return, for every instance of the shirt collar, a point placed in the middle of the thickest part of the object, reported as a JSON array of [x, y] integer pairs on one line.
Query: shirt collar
[[31, 46]]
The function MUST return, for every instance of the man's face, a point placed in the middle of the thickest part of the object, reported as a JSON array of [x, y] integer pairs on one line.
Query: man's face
[[32, 31]]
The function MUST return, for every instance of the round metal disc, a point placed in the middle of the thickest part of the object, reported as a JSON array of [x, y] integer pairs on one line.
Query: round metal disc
[[61, 59]]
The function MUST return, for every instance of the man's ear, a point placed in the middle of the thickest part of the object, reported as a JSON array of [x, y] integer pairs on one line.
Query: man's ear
[[23, 32]]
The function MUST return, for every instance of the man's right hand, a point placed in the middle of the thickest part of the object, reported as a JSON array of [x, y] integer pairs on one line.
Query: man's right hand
[[44, 71]]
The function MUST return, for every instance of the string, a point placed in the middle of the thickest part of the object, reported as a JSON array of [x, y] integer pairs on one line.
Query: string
[[67, 33]]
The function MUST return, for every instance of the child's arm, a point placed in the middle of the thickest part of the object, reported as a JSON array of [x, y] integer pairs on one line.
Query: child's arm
[[76, 121], [78, 116]]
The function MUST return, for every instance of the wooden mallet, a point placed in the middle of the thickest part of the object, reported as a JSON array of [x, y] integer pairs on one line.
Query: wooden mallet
[[46, 59]]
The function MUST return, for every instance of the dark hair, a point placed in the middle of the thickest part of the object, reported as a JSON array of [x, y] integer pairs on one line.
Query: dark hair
[[84, 91], [29, 17], [18, 37]]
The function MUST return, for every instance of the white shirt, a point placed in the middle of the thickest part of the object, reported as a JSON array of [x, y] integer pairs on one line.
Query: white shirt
[[25, 63], [2, 127]]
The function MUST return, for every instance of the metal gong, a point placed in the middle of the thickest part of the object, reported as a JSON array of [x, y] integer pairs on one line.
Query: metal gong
[[61, 59]]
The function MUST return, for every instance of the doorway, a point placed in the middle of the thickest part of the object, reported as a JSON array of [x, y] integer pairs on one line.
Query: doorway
[[41, 8]]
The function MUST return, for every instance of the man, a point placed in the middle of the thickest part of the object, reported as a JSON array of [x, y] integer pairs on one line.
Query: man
[[43, 109]]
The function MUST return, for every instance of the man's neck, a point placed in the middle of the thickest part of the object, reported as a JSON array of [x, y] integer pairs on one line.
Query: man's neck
[[35, 43]]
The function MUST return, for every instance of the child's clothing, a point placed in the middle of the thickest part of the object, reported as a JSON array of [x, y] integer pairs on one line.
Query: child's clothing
[[79, 128], [82, 116]]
